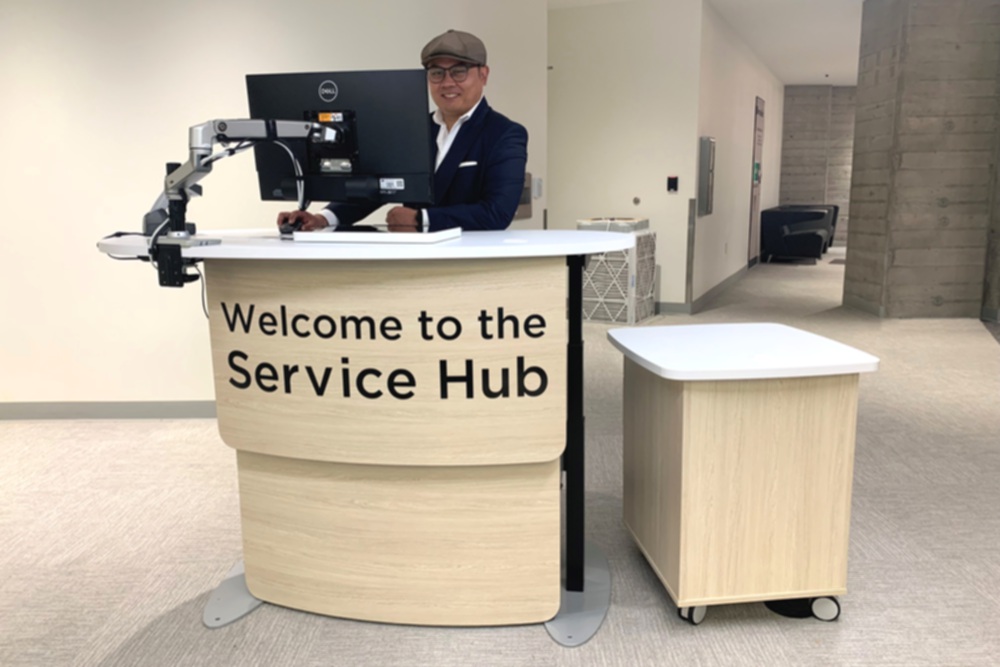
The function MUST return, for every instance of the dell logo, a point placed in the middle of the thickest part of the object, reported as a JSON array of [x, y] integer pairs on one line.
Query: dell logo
[[328, 91]]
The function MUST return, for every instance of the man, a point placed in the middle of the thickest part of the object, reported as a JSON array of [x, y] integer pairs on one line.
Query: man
[[480, 154]]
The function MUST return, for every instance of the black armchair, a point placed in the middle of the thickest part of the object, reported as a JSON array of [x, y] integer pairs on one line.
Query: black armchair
[[797, 230]]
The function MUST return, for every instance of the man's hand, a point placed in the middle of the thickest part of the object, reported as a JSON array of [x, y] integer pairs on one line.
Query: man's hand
[[402, 219], [310, 221]]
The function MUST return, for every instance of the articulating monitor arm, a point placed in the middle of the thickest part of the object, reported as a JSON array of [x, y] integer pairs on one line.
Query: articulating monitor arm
[[167, 225]]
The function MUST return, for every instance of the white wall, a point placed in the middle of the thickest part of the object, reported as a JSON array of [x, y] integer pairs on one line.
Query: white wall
[[98, 96], [732, 77], [623, 115]]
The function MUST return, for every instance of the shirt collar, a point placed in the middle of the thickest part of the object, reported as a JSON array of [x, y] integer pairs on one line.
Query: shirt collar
[[439, 119]]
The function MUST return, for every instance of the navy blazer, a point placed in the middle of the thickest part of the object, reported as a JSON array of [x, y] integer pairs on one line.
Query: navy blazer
[[478, 185]]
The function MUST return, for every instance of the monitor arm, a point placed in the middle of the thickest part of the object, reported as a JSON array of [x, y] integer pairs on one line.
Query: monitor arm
[[201, 139], [167, 224]]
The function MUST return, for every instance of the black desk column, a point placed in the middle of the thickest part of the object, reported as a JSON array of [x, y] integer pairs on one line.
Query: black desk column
[[573, 457]]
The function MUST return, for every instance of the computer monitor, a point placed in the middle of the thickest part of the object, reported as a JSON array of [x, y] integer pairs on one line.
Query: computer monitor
[[385, 155]]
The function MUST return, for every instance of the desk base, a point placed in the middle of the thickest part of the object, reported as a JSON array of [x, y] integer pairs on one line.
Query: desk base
[[582, 612], [580, 616], [231, 601]]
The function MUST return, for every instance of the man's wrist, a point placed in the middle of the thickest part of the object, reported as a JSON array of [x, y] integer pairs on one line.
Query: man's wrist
[[330, 217]]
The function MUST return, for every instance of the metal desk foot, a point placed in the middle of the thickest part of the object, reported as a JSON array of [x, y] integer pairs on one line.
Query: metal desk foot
[[231, 601], [582, 613]]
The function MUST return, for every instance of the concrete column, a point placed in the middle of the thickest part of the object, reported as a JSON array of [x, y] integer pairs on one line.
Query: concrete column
[[806, 129], [840, 156], [991, 286], [816, 149], [924, 172]]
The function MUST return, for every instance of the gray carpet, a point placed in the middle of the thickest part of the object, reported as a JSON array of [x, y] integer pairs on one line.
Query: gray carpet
[[115, 532]]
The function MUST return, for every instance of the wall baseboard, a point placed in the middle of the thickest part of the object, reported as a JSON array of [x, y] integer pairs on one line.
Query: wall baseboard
[[667, 308], [110, 410], [864, 306], [704, 300]]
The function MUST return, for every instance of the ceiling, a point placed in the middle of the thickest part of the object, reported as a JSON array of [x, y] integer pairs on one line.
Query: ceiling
[[803, 42]]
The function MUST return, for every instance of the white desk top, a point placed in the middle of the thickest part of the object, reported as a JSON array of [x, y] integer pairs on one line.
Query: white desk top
[[267, 244], [738, 352]]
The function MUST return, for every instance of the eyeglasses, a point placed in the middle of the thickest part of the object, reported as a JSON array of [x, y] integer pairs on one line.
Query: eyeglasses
[[458, 73]]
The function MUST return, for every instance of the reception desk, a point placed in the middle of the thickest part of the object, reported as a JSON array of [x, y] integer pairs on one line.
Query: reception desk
[[401, 415]]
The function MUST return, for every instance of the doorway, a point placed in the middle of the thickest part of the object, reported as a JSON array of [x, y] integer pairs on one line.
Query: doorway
[[753, 247]]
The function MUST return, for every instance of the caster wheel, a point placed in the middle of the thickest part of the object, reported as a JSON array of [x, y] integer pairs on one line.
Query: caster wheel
[[825, 609], [693, 615]]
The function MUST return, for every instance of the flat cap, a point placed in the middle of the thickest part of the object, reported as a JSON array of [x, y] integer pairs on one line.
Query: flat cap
[[456, 44]]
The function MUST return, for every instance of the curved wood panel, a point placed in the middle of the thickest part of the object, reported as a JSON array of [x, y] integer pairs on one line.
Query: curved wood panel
[[417, 545], [280, 374]]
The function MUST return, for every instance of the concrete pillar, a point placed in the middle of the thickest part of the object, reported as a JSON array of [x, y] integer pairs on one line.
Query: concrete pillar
[[924, 167], [817, 149], [991, 286], [804, 144]]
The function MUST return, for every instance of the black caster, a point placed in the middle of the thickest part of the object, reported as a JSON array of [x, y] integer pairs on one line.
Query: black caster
[[825, 608], [693, 615]]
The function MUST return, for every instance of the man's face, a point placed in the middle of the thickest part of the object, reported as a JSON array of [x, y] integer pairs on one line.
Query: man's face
[[456, 98]]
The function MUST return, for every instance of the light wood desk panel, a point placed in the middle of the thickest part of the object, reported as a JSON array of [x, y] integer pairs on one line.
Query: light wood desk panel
[[420, 545], [424, 429]]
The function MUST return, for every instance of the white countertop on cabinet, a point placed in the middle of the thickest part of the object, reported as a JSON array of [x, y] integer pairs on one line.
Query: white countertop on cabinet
[[738, 352]]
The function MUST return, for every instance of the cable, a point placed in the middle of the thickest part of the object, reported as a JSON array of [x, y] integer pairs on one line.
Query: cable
[[118, 235], [244, 145], [204, 291], [228, 152], [153, 239], [299, 178]]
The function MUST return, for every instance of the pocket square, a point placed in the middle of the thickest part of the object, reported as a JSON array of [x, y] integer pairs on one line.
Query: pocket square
[[467, 164]]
